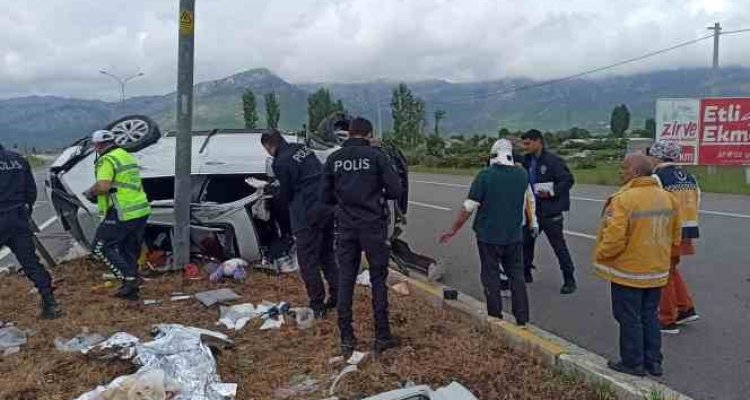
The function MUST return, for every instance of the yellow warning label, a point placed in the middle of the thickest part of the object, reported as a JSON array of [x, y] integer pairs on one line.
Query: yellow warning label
[[187, 23]]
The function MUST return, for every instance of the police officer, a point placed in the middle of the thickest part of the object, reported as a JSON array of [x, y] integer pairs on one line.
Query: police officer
[[551, 180], [124, 207], [300, 174], [17, 198], [358, 180]]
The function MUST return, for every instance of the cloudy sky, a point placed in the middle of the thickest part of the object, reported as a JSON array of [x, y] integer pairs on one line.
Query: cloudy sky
[[58, 46]]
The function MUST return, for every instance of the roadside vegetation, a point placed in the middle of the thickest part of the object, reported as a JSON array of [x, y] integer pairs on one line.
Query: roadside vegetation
[[438, 346]]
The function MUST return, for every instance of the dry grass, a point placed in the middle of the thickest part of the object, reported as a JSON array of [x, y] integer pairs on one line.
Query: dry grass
[[438, 346]]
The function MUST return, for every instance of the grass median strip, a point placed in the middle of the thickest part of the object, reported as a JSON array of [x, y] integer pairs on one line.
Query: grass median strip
[[439, 345]]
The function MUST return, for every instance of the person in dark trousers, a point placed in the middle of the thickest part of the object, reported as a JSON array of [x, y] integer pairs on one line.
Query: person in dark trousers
[[640, 226], [358, 180], [17, 197], [498, 195], [124, 209], [300, 175], [551, 182]]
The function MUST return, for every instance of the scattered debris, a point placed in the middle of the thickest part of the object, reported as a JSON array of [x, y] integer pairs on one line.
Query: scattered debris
[[299, 385], [191, 272], [212, 297], [81, 342], [273, 323], [401, 288], [304, 316], [237, 316], [234, 268], [121, 346], [454, 391], [151, 302], [356, 358], [176, 361], [363, 278], [346, 371], [181, 297], [11, 340]]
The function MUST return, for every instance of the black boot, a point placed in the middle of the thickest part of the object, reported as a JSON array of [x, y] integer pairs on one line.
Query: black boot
[[50, 308], [130, 290], [569, 285], [387, 343]]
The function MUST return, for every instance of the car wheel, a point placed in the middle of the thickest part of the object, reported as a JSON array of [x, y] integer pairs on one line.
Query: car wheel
[[134, 132]]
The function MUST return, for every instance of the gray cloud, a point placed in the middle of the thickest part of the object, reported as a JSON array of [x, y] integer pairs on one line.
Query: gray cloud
[[57, 46]]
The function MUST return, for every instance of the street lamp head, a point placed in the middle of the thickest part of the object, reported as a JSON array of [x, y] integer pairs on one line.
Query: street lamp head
[[101, 71]]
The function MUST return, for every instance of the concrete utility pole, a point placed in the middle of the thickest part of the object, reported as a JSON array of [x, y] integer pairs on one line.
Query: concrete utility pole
[[715, 72], [121, 81], [183, 153]]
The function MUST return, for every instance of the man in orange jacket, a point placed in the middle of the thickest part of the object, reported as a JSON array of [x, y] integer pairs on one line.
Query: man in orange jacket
[[638, 229], [677, 307]]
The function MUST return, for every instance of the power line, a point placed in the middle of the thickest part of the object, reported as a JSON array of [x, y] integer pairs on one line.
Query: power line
[[735, 31], [580, 74], [584, 73]]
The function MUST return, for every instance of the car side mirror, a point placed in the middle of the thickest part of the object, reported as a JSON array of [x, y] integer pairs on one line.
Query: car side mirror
[[269, 167]]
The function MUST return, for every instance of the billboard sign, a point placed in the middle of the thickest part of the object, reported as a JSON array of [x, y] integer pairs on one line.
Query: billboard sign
[[711, 131], [677, 121]]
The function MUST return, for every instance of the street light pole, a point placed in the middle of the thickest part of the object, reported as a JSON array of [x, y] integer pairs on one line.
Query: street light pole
[[183, 142], [121, 81]]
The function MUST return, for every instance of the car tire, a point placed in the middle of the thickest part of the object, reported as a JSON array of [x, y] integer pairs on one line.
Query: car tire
[[134, 132]]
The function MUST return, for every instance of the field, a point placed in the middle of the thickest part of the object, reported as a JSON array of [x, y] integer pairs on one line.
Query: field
[[723, 180], [438, 346]]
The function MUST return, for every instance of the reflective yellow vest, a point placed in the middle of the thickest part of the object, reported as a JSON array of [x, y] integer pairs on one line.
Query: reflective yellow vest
[[129, 199]]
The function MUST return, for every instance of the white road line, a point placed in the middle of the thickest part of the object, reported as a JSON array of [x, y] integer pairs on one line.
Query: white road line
[[442, 184], [4, 252], [579, 234], [724, 214], [705, 212], [416, 203], [587, 199]]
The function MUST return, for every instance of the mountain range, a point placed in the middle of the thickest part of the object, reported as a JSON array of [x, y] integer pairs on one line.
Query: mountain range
[[471, 108]]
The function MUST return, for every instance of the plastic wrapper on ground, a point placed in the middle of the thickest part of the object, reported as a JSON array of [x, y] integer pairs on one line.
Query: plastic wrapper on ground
[[11, 338], [79, 343]]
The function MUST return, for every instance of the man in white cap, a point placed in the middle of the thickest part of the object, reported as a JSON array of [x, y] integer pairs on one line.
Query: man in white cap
[[124, 209], [498, 195]]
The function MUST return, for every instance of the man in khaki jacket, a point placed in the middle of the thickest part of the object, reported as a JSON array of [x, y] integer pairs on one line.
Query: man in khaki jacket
[[639, 227]]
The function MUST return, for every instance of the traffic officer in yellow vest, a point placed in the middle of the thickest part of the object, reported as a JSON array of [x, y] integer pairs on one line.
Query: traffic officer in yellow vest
[[124, 208], [640, 225]]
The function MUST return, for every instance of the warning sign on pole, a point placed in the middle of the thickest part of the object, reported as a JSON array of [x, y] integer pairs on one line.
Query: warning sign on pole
[[187, 23]]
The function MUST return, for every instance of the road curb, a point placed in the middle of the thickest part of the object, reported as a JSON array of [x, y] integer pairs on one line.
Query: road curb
[[551, 349]]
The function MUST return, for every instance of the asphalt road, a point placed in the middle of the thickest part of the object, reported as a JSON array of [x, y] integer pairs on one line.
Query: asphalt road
[[709, 359]]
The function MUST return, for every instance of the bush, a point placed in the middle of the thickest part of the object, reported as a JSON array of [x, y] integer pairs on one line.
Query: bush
[[585, 164]]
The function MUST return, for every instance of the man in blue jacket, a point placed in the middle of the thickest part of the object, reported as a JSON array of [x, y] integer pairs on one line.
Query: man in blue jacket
[[551, 181], [300, 174]]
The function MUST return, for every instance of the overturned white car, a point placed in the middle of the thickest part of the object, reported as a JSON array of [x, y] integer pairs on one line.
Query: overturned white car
[[233, 211]]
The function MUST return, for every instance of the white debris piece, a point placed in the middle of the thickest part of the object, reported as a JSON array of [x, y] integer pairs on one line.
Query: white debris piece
[[237, 316], [364, 278]]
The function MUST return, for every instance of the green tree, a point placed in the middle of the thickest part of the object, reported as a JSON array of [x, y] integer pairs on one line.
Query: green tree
[[503, 133], [273, 110], [651, 127], [408, 114], [249, 109], [319, 106], [619, 121], [439, 115]]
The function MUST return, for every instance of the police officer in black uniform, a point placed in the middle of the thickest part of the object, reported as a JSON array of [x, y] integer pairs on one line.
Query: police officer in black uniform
[[300, 174], [17, 198], [358, 180]]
